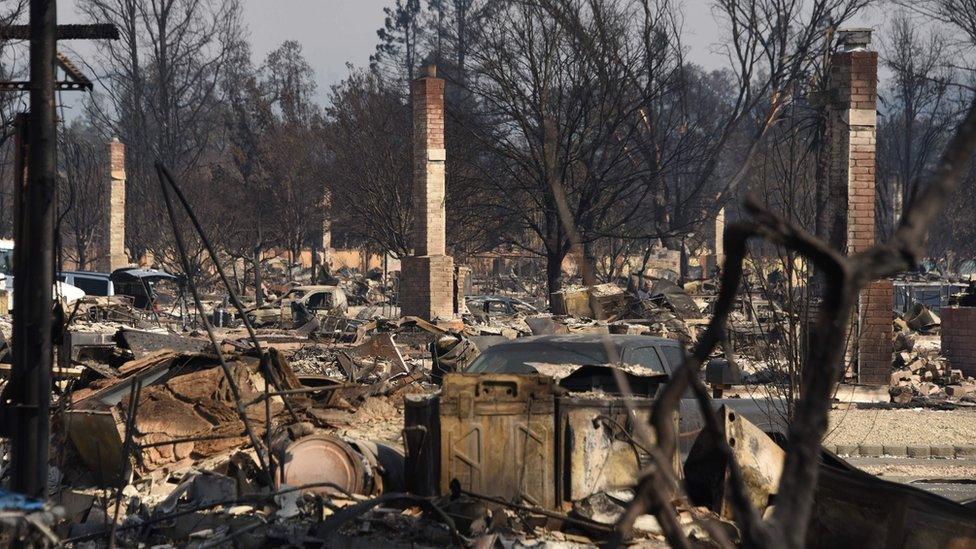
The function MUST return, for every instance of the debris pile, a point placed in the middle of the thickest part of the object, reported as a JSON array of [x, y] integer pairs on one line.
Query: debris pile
[[920, 373], [322, 418], [648, 306]]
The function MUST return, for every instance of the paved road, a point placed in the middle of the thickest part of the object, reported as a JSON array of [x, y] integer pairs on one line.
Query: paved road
[[961, 492], [951, 478]]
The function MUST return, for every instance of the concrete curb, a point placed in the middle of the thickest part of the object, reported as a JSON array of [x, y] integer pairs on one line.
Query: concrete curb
[[919, 451], [870, 449], [897, 450], [965, 451], [936, 451]]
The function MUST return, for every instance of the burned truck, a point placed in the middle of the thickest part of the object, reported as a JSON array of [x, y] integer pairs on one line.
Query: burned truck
[[555, 399]]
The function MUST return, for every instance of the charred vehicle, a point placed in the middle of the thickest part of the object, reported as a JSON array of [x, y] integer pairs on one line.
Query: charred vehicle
[[300, 305], [497, 306], [582, 362]]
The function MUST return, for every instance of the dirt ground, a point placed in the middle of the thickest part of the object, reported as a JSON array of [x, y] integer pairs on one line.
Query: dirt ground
[[910, 426]]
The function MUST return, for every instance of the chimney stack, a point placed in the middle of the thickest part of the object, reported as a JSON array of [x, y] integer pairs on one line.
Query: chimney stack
[[111, 248], [852, 126], [427, 276]]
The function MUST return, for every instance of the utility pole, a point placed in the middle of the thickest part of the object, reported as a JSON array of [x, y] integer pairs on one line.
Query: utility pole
[[34, 266], [27, 398]]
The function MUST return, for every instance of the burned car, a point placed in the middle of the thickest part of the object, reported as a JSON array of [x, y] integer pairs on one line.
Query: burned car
[[140, 285], [555, 401], [547, 354], [492, 306], [299, 305]]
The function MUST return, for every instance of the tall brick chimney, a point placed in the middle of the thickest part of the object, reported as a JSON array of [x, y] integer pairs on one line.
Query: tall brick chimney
[[851, 178], [111, 249], [427, 277], [714, 239]]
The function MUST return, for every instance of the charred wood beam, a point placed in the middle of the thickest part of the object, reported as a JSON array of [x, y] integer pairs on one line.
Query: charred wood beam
[[60, 85], [98, 31]]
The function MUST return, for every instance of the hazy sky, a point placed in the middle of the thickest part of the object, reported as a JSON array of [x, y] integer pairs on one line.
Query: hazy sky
[[331, 32], [336, 32]]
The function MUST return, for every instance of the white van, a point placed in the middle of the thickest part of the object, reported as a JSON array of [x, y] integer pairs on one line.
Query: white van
[[63, 288], [91, 282]]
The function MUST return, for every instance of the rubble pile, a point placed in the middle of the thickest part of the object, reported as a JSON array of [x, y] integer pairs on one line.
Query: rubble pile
[[648, 306], [163, 443], [373, 430], [920, 373], [317, 359]]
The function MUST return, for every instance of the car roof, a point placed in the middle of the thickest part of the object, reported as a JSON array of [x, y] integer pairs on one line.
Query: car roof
[[500, 298], [132, 273], [86, 273], [314, 288], [584, 344], [621, 342]]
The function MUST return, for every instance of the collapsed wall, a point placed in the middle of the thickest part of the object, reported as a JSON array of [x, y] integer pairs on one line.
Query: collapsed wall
[[958, 338]]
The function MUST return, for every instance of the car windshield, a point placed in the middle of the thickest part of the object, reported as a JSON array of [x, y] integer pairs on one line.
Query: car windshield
[[294, 294], [521, 358], [321, 300], [7, 262], [553, 358]]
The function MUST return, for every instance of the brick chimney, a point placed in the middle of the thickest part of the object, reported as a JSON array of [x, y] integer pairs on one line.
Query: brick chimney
[[851, 178], [111, 249], [427, 276], [714, 239]]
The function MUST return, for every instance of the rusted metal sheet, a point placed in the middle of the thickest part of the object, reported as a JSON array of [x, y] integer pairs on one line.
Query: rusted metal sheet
[[98, 439], [760, 460], [143, 343], [599, 447], [855, 509], [382, 345], [497, 436], [184, 411]]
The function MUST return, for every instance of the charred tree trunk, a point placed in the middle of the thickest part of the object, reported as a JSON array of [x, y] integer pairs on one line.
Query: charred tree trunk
[[554, 271], [258, 292]]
